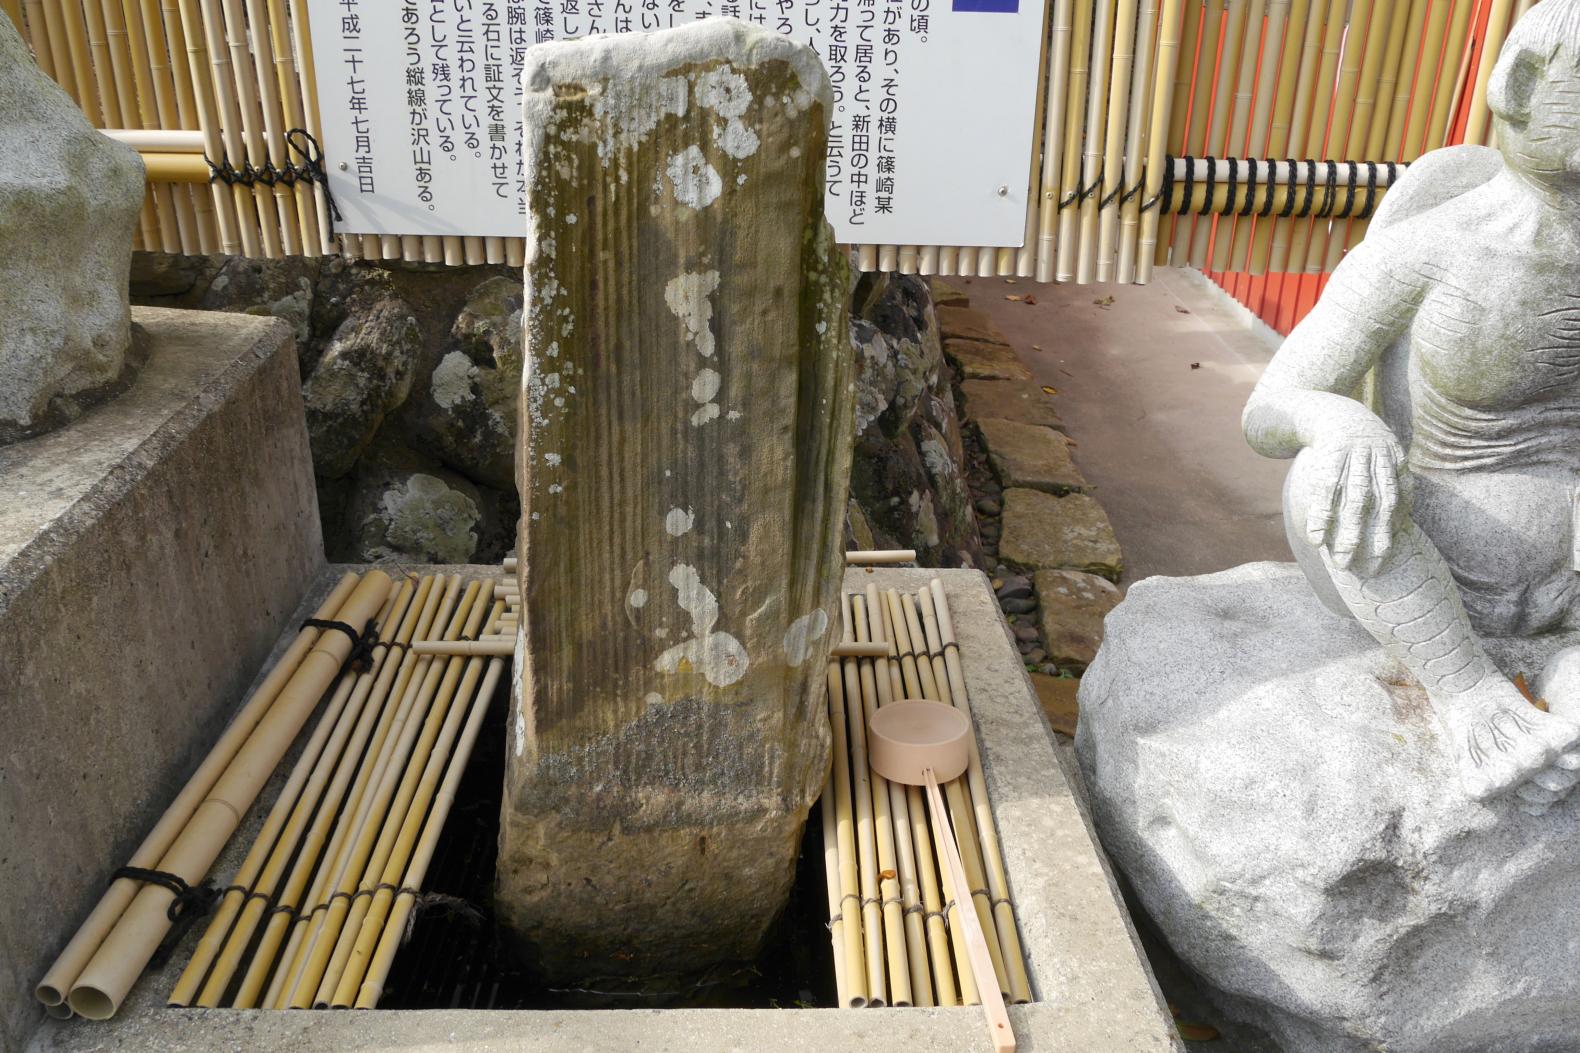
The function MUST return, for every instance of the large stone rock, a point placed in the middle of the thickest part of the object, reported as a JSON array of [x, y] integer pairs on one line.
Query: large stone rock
[[69, 199], [365, 374], [1059, 533], [1286, 808], [685, 443]]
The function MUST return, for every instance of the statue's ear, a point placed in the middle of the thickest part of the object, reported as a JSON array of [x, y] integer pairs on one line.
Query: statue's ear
[[1513, 83]]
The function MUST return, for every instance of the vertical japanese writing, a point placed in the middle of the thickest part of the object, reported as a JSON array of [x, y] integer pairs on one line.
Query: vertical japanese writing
[[357, 95], [494, 80], [888, 108], [441, 78], [420, 137], [466, 77], [519, 34]]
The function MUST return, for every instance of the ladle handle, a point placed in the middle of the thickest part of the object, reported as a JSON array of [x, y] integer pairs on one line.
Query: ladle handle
[[976, 944]]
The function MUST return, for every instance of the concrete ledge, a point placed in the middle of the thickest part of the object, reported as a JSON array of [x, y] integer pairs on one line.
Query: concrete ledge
[[150, 554]]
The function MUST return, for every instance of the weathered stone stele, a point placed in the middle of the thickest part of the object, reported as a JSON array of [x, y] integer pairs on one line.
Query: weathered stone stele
[[686, 427], [69, 199]]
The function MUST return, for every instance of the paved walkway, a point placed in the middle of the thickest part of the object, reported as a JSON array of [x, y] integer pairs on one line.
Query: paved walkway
[[1159, 440]]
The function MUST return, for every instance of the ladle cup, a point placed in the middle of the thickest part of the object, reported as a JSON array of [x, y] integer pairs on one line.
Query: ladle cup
[[922, 743]]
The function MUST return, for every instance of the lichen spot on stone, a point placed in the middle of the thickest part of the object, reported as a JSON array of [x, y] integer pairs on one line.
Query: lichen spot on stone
[[678, 522], [638, 598], [737, 140], [551, 459], [696, 183], [724, 91], [718, 657], [801, 635], [687, 296], [653, 698], [704, 414], [452, 380], [705, 385]]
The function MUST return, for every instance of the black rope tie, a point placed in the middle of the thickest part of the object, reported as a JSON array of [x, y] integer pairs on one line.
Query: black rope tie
[[1250, 190], [1311, 190], [1190, 183], [1371, 190], [310, 171], [1212, 181], [1329, 190], [1272, 185], [1349, 196], [191, 902], [1289, 198], [1234, 185], [360, 659], [1165, 193]]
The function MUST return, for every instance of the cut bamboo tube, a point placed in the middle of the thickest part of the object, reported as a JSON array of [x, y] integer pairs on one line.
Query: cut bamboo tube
[[845, 829], [1167, 111], [81, 62], [296, 798], [58, 980], [1303, 117], [158, 140], [1053, 136], [1101, 227], [948, 654], [881, 556], [836, 921], [386, 870], [403, 696], [891, 906], [866, 834], [858, 649], [272, 129], [232, 205], [346, 790], [1427, 76], [435, 695], [462, 648], [390, 940], [1136, 125], [1410, 71], [899, 819], [109, 975], [960, 797], [1450, 77], [319, 802], [510, 563], [1067, 247]]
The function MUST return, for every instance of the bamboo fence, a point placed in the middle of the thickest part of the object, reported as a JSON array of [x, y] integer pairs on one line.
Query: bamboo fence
[[1126, 88]]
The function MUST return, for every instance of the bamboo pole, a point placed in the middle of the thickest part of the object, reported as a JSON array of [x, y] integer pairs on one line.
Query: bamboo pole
[[1303, 116], [102, 65], [405, 901], [1366, 119], [402, 828], [345, 792], [866, 833], [224, 943], [1356, 99], [961, 796], [177, 199], [321, 948], [1427, 77], [302, 34], [81, 62], [404, 695], [1136, 124], [37, 35], [203, 204], [1317, 132], [1279, 31], [1068, 207], [1299, 30], [948, 653], [1245, 138], [297, 798], [1230, 111], [1149, 245], [1394, 55], [844, 825], [232, 207], [249, 118], [12, 9], [166, 232], [109, 975], [1100, 225], [836, 920], [52, 988], [881, 556], [1093, 174], [899, 814], [1203, 102], [54, 41], [271, 109], [1411, 65], [1450, 77]]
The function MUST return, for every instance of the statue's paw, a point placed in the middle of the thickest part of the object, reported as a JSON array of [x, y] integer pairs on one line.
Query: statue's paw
[[1504, 744]]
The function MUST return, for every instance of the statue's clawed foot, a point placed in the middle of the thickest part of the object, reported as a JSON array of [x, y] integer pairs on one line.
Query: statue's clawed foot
[[1502, 743], [1559, 686]]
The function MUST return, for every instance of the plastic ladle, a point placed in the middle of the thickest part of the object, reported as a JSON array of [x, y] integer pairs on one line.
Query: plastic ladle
[[922, 743]]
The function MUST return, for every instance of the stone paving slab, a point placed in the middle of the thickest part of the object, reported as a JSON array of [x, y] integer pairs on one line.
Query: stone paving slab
[[1072, 606], [977, 360], [1094, 991], [1042, 531], [1008, 400], [966, 323], [1031, 456]]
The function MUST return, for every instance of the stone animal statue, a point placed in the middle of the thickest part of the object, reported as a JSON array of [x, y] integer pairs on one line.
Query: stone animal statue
[[1448, 509]]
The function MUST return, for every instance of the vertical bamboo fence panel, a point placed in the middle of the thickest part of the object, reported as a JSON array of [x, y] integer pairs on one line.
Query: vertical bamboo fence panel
[[1127, 89]]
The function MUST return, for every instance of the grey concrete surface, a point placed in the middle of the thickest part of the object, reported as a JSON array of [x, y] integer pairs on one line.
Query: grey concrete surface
[[1094, 994], [150, 554], [1159, 441]]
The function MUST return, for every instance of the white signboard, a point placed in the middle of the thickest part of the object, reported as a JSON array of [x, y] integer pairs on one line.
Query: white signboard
[[930, 141]]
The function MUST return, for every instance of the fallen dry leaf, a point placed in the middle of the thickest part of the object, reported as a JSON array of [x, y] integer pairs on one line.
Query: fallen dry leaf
[[1197, 1032], [1036, 347], [1106, 301], [1181, 310], [886, 875], [1030, 299], [1046, 390], [1009, 281], [1013, 298], [1195, 365]]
